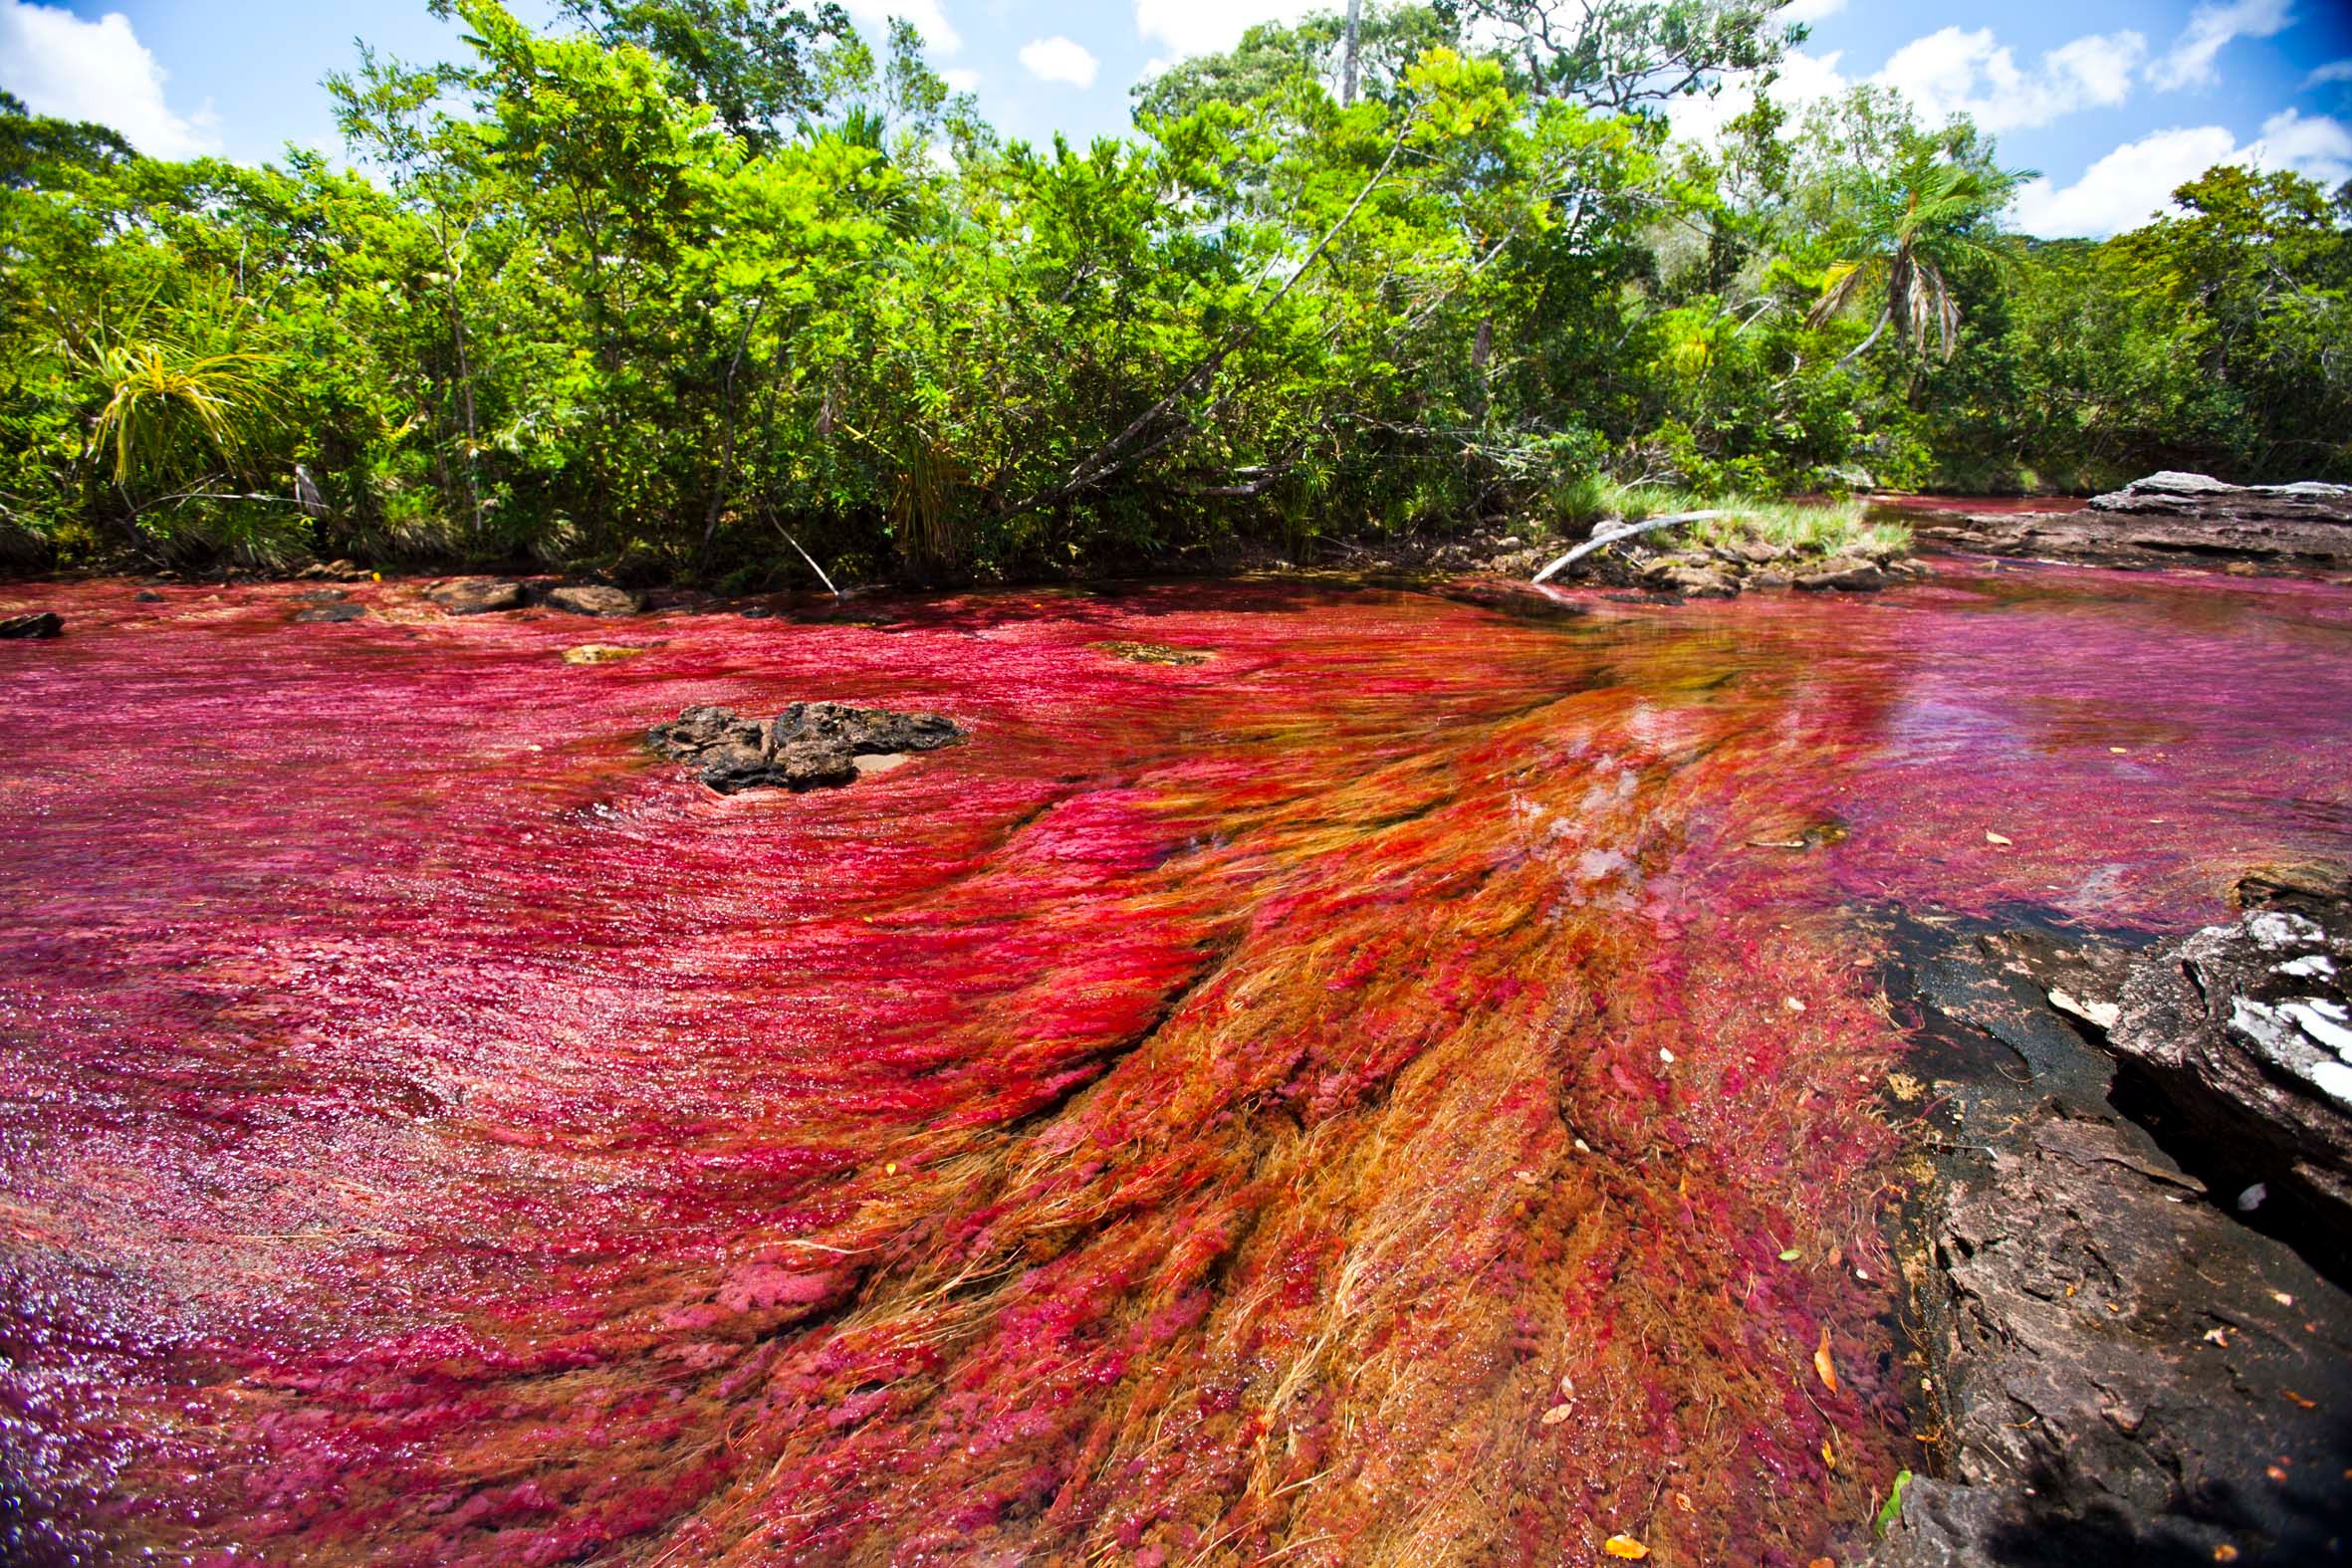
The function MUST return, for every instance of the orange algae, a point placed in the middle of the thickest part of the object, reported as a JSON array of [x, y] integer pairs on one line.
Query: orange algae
[[1352, 1099]]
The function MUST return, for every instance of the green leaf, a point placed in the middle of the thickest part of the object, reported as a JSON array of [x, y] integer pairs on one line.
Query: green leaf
[[1890, 1509]]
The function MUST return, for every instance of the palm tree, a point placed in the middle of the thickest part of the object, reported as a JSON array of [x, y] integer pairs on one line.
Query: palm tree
[[1931, 212]]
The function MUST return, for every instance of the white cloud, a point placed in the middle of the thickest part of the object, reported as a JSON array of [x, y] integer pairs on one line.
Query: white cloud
[[961, 80], [2211, 29], [2126, 187], [1061, 59], [1952, 72], [1804, 79], [2333, 71], [2318, 146], [65, 67], [926, 15], [1199, 27], [2136, 181], [1810, 10]]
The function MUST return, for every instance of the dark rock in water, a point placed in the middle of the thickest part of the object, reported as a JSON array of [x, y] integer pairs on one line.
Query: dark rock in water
[[1845, 572], [146, 596], [42, 623], [2244, 1030], [808, 746], [595, 600], [332, 614], [864, 731], [2116, 1366], [2173, 518], [320, 596], [476, 595], [2310, 887]]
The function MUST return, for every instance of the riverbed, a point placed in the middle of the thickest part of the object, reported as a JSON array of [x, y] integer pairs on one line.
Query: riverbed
[[1405, 1087]]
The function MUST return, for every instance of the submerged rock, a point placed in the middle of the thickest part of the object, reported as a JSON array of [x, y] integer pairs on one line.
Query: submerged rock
[[42, 623], [808, 746], [331, 614], [476, 595], [595, 600], [602, 653], [1153, 653]]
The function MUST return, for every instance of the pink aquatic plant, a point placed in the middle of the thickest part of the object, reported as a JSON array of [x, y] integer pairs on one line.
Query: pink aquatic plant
[[1404, 1086]]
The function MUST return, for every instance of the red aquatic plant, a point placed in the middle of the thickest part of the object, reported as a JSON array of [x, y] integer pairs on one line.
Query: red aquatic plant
[[1402, 1088]]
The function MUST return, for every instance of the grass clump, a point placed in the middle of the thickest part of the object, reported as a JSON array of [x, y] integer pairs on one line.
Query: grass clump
[[1804, 528]]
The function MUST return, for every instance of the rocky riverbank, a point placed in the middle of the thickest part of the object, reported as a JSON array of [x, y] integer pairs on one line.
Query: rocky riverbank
[[2126, 1268], [2171, 519]]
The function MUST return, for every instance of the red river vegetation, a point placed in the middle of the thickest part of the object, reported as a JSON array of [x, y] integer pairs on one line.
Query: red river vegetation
[[1408, 1088]]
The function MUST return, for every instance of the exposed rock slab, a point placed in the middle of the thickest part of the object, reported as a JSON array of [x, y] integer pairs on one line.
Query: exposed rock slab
[[476, 595], [2115, 1366], [2246, 1031], [44, 623], [2171, 518], [595, 600], [808, 746]]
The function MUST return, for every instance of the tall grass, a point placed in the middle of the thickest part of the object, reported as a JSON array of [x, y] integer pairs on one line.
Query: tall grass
[[1822, 528]]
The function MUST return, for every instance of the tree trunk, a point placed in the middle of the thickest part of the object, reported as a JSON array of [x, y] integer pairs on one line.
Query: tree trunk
[[1863, 346], [1347, 69]]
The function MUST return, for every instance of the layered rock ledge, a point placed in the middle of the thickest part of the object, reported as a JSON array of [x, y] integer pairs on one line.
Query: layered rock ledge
[[808, 746], [2168, 520], [2133, 1340]]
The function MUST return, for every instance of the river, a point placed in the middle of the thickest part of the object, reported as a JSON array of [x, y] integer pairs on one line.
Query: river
[[1407, 1087]]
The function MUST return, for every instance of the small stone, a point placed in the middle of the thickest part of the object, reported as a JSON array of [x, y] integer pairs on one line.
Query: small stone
[[1703, 582], [331, 614], [42, 623]]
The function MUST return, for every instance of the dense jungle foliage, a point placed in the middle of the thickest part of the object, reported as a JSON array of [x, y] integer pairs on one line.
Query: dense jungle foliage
[[687, 286]]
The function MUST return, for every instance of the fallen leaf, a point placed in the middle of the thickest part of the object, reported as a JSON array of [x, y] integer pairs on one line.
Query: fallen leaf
[[1822, 1562], [1558, 1414], [1682, 1500], [1822, 1364], [1828, 1456], [1625, 1546], [1792, 1255], [1992, 838], [1794, 1006], [2298, 1400], [2225, 1553]]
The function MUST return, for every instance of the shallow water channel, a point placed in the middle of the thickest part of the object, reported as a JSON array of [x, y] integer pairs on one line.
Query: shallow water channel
[[1406, 1089]]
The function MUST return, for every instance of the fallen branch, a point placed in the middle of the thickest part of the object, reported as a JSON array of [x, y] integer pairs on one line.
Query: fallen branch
[[804, 555], [1602, 540]]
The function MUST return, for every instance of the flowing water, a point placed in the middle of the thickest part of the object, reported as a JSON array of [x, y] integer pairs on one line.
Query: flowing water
[[1408, 1088]]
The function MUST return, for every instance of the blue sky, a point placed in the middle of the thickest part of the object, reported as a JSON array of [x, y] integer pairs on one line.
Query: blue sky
[[2115, 100]]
